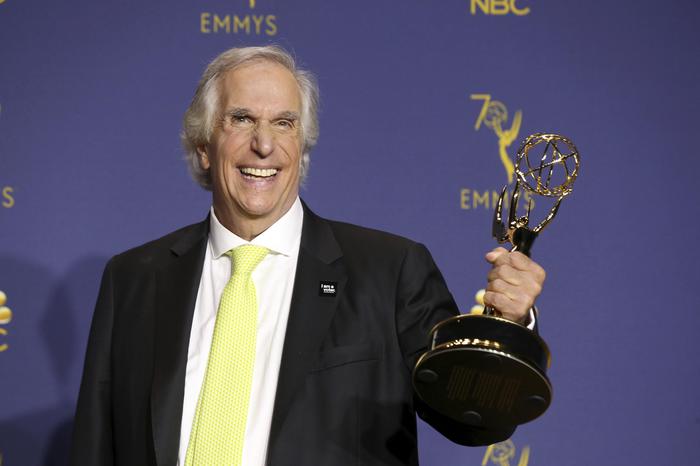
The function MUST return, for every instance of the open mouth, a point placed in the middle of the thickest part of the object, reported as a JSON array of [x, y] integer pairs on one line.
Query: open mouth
[[258, 173]]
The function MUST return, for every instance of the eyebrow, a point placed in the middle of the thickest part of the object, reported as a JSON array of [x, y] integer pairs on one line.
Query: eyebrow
[[237, 112], [287, 115], [242, 112]]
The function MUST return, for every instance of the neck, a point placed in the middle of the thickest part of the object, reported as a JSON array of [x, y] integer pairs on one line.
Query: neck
[[243, 225], [246, 228]]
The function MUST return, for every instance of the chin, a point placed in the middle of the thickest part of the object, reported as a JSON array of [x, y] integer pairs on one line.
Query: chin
[[260, 209]]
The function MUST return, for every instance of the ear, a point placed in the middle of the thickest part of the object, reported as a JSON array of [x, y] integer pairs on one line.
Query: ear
[[203, 157]]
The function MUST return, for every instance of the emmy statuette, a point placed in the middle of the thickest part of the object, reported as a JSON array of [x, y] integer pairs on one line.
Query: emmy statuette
[[483, 370]]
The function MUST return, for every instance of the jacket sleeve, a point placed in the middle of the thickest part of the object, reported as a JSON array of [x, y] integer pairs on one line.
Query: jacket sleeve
[[92, 430], [423, 300]]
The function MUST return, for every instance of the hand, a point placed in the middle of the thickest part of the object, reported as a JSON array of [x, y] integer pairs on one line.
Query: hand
[[514, 283]]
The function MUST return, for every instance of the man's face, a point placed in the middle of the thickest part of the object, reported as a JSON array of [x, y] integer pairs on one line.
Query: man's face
[[255, 149]]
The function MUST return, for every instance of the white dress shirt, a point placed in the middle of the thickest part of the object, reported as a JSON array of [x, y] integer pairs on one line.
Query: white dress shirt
[[274, 281]]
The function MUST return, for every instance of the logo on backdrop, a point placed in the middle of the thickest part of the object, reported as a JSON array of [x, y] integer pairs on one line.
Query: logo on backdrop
[[494, 116], [5, 318], [7, 198], [502, 453], [498, 7], [250, 21]]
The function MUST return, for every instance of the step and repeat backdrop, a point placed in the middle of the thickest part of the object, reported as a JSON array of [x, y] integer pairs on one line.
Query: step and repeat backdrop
[[423, 105]]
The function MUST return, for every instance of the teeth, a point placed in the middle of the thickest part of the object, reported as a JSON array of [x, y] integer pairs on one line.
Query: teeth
[[260, 172]]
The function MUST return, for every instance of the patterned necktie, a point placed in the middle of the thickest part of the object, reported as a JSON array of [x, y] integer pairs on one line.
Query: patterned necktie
[[219, 423]]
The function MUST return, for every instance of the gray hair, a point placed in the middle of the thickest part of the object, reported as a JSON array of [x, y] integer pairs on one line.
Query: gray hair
[[198, 123]]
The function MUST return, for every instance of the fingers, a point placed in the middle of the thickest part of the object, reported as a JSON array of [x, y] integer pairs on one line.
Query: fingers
[[507, 273], [511, 301], [493, 255], [516, 260], [514, 283], [528, 280]]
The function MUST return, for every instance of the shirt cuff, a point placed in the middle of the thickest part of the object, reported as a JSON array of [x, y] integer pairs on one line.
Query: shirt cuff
[[531, 321]]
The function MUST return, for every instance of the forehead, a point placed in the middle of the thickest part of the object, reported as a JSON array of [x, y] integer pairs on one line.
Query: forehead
[[261, 85]]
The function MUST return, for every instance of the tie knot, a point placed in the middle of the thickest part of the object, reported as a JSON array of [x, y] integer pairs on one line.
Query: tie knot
[[245, 258]]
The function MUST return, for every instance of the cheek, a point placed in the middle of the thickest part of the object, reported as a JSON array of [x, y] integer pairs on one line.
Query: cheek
[[292, 151], [226, 151]]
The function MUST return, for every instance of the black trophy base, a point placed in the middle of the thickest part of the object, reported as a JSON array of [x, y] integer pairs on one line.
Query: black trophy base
[[484, 371]]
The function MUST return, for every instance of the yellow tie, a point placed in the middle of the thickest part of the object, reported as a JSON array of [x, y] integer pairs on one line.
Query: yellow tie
[[220, 420]]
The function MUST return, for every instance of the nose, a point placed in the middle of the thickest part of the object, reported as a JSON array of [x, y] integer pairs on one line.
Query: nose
[[263, 141]]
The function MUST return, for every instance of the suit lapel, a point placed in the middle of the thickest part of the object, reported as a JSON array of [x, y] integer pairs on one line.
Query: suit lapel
[[310, 314], [176, 294]]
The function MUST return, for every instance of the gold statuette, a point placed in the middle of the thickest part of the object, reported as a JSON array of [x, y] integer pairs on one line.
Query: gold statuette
[[552, 176], [482, 370]]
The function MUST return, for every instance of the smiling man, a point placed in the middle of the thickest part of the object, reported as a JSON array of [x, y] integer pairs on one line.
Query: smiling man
[[266, 335], [254, 153]]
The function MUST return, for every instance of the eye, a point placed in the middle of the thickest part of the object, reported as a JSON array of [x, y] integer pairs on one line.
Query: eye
[[285, 123], [240, 119]]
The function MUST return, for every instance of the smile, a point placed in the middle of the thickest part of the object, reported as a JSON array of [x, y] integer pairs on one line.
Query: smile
[[259, 172]]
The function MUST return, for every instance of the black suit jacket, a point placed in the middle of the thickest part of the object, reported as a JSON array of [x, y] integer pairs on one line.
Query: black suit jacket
[[344, 394]]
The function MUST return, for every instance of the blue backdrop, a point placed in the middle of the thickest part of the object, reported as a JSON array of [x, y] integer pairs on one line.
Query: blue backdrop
[[91, 100]]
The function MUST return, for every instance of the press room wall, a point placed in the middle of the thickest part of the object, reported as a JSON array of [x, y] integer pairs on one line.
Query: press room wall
[[91, 100]]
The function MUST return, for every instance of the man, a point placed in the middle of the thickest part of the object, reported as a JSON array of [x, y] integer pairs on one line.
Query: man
[[341, 312]]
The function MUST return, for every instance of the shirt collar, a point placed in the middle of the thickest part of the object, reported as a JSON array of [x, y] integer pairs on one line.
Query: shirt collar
[[282, 237]]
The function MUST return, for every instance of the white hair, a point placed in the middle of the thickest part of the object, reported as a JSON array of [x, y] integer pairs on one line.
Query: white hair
[[198, 123]]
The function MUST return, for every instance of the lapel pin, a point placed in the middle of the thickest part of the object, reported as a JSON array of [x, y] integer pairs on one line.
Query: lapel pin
[[327, 288]]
